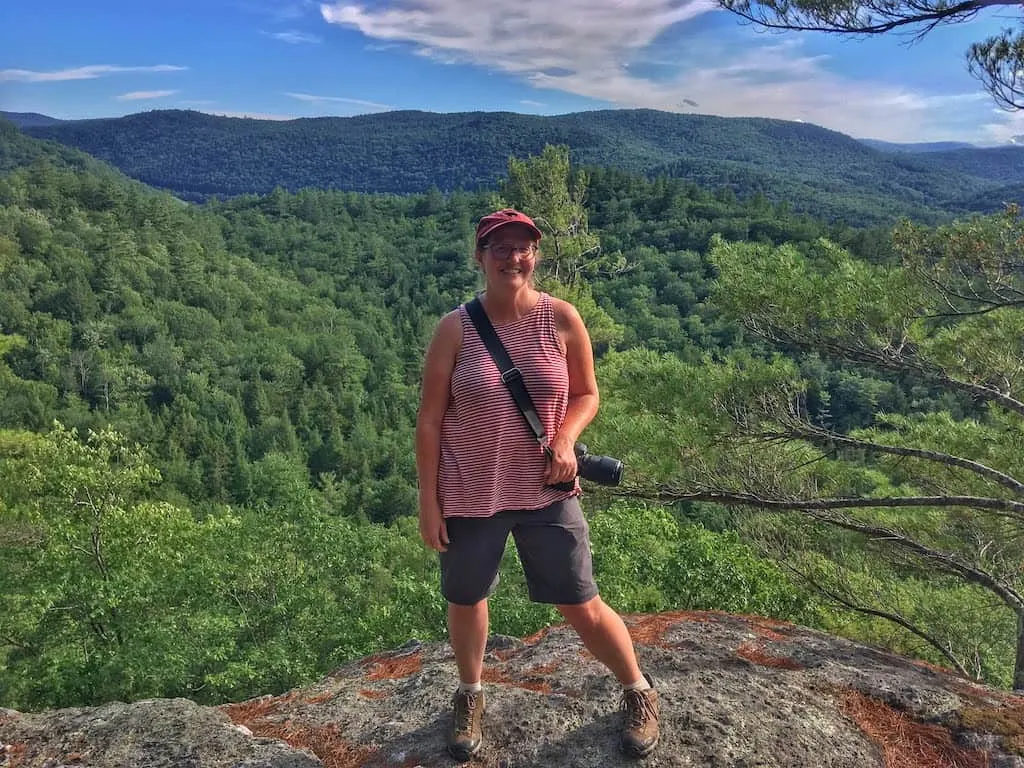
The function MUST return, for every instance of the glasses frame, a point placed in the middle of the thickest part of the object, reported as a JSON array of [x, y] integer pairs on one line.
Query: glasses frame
[[503, 251]]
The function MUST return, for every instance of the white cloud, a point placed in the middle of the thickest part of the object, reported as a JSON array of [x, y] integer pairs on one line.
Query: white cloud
[[140, 95], [531, 103], [1007, 128], [295, 38], [79, 73], [601, 49], [321, 100], [532, 35]]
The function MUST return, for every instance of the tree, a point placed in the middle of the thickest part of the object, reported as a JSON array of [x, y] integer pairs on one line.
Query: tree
[[553, 194], [998, 61], [937, 492]]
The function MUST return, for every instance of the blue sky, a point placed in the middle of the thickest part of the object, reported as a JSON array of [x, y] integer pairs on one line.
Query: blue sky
[[300, 58]]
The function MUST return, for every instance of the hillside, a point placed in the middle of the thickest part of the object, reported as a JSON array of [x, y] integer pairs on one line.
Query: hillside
[[261, 358], [821, 172], [994, 165], [17, 150]]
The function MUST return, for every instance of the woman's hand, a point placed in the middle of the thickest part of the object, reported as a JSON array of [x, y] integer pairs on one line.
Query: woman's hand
[[433, 530], [561, 461]]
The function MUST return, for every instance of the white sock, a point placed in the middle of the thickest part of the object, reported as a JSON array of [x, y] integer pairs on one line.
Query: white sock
[[639, 685], [471, 687]]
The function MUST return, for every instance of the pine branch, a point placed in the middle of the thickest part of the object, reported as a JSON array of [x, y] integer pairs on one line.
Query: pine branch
[[826, 19]]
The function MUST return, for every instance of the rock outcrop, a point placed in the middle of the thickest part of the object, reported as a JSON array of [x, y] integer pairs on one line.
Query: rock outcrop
[[735, 691]]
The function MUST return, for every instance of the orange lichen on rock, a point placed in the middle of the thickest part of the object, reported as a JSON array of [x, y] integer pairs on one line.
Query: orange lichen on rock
[[492, 675], [384, 667], [756, 653], [650, 629], [320, 698], [323, 741], [537, 636], [770, 628], [255, 709], [543, 669], [905, 742], [15, 755]]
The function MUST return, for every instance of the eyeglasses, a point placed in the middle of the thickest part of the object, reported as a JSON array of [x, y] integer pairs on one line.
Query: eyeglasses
[[504, 250]]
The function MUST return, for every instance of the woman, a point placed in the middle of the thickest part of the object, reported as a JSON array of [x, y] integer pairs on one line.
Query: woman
[[482, 475]]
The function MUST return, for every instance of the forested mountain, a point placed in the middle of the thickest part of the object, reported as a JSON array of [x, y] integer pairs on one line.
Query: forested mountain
[[822, 172], [29, 119]]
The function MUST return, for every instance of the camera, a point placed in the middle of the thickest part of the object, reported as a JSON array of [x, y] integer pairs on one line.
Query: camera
[[598, 469]]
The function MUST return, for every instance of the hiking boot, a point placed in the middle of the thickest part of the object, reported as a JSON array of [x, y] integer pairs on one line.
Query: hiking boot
[[465, 737], [640, 721]]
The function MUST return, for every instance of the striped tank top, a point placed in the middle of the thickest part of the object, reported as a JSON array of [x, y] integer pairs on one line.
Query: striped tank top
[[490, 459]]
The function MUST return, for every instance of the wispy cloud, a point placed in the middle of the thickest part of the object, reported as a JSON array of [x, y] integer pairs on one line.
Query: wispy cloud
[[78, 73], [610, 50], [140, 95], [321, 100], [295, 38], [531, 103]]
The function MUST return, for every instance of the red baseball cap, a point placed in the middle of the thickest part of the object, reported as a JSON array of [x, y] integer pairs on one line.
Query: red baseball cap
[[492, 221]]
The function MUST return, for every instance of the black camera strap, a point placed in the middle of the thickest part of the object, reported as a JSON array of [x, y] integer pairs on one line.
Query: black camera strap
[[510, 375]]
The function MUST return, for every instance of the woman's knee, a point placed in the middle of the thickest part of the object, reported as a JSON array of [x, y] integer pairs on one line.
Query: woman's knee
[[582, 615], [466, 616]]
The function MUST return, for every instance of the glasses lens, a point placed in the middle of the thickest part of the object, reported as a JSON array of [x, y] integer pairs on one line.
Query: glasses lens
[[503, 251]]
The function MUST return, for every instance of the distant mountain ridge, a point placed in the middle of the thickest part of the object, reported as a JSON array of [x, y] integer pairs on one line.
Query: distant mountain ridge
[[917, 146], [29, 119], [826, 173]]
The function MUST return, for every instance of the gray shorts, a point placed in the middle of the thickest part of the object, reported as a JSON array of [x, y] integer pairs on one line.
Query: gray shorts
[[553, 545]]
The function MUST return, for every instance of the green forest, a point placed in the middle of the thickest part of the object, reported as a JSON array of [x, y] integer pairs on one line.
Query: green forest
[[207, 482], [820, 172]]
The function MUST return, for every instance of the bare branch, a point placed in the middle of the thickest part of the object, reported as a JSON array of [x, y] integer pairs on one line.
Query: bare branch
[[671, 495], [895, 618], [944, 560], [888, 359], [817, 509], [8, 640], [811, 433], [992, 307]]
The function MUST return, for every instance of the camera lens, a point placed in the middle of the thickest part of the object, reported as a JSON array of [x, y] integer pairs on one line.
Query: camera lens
[[605, 470]]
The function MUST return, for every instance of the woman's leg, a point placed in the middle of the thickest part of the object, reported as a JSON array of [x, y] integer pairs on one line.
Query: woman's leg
[[467, 633], [605, 635]]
